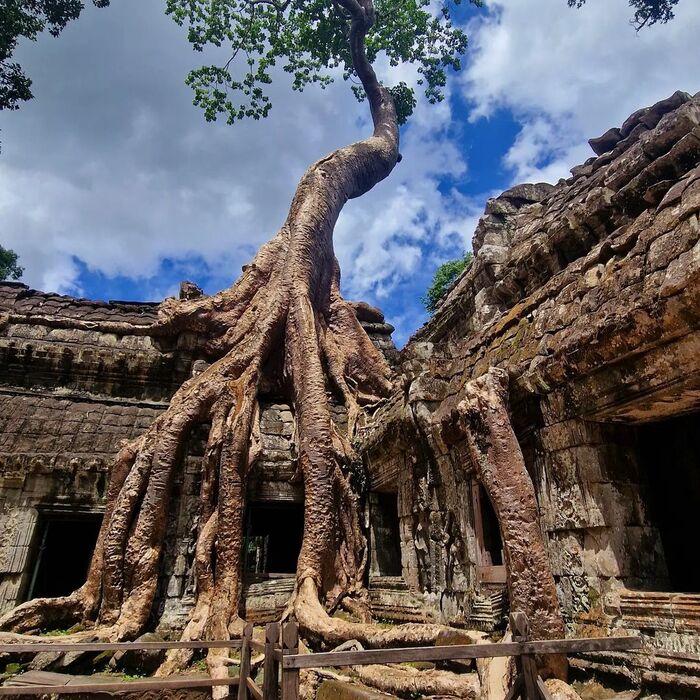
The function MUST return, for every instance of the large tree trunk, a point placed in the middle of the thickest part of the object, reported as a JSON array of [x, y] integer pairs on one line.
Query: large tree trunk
[[287, 298], [500, 467]]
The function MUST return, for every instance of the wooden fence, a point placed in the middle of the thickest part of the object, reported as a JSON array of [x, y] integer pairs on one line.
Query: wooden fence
[[281, 653]]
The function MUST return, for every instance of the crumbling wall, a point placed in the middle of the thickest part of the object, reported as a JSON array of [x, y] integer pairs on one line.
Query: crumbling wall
[[587, 293], [68, 399], [71, 393]]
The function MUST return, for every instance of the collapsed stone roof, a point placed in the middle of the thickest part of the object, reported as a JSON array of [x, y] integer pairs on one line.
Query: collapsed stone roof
[[17, 298], [532, 232], [572, 279]]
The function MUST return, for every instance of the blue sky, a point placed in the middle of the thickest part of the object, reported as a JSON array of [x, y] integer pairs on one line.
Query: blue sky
[[112, 185]]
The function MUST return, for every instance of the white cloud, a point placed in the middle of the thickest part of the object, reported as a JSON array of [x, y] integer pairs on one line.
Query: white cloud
[[112, 164], [569, 75]]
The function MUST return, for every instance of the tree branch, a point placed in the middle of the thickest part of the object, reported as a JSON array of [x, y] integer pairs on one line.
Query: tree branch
[[380, 101]]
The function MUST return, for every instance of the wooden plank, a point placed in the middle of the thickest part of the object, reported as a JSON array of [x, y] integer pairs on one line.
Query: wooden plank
[[492, 574], [526, 662], [116, 646], [290, 674], [42, 678], [462, 651], [119, 687], [253, 689], [530, 675], [245, 662], [271, 664]]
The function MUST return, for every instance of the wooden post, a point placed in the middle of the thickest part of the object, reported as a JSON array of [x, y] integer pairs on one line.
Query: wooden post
[[290, 676], [271, 665], [245, 663], [528, 665]]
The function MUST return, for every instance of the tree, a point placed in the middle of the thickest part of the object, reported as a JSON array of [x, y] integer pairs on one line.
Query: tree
[[646, 12], [443, 279], [9, 266], [282, 327], [28, 18]]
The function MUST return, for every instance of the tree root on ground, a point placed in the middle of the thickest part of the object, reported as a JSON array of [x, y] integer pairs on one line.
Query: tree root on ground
[[319, 627], [408, 682]]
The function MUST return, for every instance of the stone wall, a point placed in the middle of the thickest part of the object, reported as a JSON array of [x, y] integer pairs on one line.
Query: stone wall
[[69, 398], [587, 293], [72, 393]]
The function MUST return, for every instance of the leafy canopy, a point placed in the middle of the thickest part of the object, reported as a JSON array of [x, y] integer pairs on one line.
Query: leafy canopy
[[309, 40], [443, 279], [9, 269], [28, 18], [646, 12]]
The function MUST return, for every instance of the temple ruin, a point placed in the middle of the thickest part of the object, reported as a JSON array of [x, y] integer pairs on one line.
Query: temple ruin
[[586, 297]]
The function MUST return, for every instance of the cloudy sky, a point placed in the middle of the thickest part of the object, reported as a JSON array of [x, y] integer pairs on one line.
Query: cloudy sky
[[113, 186]]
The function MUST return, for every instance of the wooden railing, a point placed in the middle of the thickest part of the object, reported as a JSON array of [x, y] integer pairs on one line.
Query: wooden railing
[[281, 653]]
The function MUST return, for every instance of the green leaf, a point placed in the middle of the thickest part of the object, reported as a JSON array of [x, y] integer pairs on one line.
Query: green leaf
[[9, 267], [444, 277], [309, 40]]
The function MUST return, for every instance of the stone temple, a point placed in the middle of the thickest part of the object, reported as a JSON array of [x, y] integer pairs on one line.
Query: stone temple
[[587, 293]]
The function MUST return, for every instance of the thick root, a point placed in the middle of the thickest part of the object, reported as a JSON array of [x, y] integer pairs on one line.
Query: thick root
[[500, 466], [408, 682], [317, 625], [44, 614]]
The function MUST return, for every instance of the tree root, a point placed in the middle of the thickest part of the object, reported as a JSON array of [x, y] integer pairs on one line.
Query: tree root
[[408, 682], [316, 625], [43, 613], [282, 329]]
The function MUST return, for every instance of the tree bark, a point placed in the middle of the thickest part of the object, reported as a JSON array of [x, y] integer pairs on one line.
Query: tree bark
[[500, 467]]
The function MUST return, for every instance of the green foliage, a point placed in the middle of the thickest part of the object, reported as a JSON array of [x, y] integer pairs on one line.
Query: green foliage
[[28, 18], [443, 279], [309, 40], [9, 267], [646, 12]]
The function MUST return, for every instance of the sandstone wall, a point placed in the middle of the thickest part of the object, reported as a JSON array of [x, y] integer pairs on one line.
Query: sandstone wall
[[71, 394], [588, 294]]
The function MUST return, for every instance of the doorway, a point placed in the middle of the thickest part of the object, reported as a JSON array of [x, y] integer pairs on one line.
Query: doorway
[[487, 530], [66, 544], [274, 533], [669, 453], [386, 540]]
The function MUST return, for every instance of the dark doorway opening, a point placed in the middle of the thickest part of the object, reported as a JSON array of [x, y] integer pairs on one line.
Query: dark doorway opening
[[386, 540], [490, 531], [487, 530], [274, 533], [66, 544], [670, 456]]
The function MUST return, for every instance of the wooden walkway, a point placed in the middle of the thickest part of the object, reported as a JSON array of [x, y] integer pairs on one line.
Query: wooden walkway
[[45, 682], [283, 662]]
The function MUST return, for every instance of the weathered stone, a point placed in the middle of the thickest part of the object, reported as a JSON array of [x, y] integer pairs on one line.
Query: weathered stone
[[591, 306], [141, 661], [606, 142]]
